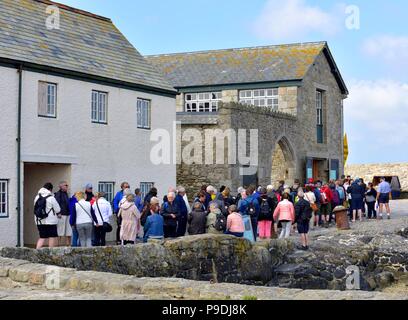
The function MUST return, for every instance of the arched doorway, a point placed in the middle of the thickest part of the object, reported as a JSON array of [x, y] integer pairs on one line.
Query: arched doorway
[[283, 162]]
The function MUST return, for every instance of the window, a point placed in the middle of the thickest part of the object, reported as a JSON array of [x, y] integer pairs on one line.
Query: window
[[260, 98], [202, 102], [99, 107], [3, 198], [319, 112], [47, 100], [143, 114], [145, 188], [108, 188]]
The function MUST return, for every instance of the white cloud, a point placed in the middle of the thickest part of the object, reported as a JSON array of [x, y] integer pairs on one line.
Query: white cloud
[[377, 111], [387, 48], [286, 20]]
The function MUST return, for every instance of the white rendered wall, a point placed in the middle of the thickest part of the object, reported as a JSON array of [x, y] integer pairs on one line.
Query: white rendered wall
[[115, 152]]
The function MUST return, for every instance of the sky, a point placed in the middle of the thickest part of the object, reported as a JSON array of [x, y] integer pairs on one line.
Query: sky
[[368, 39]]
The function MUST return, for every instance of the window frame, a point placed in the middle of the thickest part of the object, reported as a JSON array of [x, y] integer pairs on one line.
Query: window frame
[[141, 116], [144, 191], [319, 116], [260, 98], [4, 183], [49, 85], [104, 184], [205, 102], [96, 107]]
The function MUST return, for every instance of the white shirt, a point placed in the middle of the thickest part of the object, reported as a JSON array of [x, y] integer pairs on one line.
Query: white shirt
[[83, 216], [310, 197], [105, 211], [52, 208]]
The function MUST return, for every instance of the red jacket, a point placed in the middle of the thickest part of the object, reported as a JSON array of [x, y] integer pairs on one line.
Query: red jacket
[[329, 194]]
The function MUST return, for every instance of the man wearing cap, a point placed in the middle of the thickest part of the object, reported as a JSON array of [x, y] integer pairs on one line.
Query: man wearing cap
[[384, 196]]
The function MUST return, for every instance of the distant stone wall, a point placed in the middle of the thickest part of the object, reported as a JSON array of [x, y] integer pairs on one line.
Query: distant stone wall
[[369, 171]]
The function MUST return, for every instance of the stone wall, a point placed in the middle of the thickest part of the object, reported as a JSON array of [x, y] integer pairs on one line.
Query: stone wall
[[369, 171]]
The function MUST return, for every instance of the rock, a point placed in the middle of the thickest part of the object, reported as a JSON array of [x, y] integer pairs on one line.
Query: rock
[[339, 273], [384, 279]]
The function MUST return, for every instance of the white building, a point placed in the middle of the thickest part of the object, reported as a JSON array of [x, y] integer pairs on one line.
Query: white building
[[78, 103]]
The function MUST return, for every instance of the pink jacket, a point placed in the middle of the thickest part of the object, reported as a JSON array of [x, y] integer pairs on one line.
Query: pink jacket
[[284, 211], [235, 223]]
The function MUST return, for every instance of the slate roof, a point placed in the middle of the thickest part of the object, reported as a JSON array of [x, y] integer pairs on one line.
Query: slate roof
[[243, 65], [85, 43]]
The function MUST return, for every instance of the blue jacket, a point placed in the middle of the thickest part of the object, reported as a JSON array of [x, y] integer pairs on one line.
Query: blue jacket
[[71, 206], [182, 206], [357, 191], [318, 195], [169, 209], [153, 227], [244, 207], [116, 200], [139, 203]]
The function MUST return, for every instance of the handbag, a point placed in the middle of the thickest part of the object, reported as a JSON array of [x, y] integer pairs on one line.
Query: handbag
[[106, 226]]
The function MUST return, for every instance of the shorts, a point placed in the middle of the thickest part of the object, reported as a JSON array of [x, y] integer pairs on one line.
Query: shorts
[[357, 204], [303, 227], [48, 231], [64, 228], [325, 209], [384, 198]]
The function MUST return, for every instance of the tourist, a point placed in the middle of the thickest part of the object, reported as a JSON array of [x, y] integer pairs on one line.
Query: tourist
[[281, 187], [384, 195], [75, 237], [201, 198], [89, 196], [265, 219], [154, 226], [197, 220], [357, 195], [250, 206], [46, 204], [285, 214], [294, 190], [235, 223], [171, 214], [310, 197], [103, 213], [325, 204], [335, 200], [118, 197], [239, 195], [341, 191], [371, 198], [64, 228], [83, 219], [303, 214], [151, 194], [365, 189], [130, 217], [182, 220], [225, 199], [213, 214], [138, 200]]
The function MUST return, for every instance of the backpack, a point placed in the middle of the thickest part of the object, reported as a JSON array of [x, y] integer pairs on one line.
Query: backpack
[[341, 192], [307, 213], [336, 197], [220, 222], [40, 207], [266, 212], [323, 198], [251, 209]]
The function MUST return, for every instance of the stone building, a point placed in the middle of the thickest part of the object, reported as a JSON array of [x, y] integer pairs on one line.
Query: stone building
[[78, 103], [292, 94]]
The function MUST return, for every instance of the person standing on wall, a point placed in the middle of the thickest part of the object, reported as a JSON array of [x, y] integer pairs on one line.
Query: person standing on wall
[[118, 197], [249, 205], [64, 228], [357, 193], [285, 214], [46, 209], [384, 195]]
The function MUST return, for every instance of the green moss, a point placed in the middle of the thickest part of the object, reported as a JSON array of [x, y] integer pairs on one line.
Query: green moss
[[250, 298]]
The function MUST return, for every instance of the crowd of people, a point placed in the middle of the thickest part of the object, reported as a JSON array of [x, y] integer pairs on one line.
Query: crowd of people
[[85, 218]]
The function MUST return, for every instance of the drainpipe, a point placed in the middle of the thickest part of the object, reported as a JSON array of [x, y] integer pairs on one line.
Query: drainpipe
[[20, 93]]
